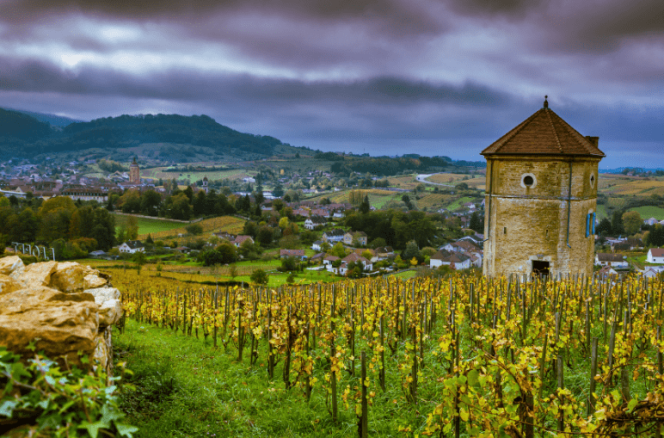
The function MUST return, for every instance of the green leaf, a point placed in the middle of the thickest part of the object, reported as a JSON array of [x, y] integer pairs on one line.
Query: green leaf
[[632, 404], [125, 429], [463, 414], [472, 377], [7, 408], [110, 414], [93, 428]]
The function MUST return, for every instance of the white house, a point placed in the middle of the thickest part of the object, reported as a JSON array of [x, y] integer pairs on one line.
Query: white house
[[316, 245], [613, 260], [651, 221], [655, 255], [333, 236], [314, 221], [132, 247], [443, 257]]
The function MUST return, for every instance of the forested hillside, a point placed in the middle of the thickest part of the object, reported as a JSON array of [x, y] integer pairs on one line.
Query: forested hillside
[[23, 135]]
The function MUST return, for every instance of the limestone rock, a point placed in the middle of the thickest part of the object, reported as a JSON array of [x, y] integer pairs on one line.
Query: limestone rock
[[61, 325], [110, 307], [101, 355], [10, 264], [35, 275], [7, 284], [72, 277]]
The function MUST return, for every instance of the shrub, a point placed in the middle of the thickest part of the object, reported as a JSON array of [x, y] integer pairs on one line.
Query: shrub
[[39, 398]]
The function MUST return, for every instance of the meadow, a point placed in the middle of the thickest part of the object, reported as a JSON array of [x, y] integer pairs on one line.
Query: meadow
[[464, 356], [148, 225], [229, 224]]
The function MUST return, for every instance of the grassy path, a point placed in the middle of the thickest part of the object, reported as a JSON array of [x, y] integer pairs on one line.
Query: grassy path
[[185, 388]]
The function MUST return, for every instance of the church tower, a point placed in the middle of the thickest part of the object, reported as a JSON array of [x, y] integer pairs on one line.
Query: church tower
[[134, 173], [205, 185], [541, 199]]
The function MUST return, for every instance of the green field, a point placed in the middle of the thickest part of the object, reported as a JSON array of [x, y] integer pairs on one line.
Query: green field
[[650, 211], [146, 226], [457, 204], [601, 212]]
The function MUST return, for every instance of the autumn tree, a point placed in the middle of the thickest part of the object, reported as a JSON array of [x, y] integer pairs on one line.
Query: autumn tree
[[631, 222]]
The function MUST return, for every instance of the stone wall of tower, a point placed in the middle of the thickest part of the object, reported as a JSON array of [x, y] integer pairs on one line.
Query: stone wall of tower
[[524, 223], [134, 174]]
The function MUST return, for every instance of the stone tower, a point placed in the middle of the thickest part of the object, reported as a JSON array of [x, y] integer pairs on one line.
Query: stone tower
[[134, 173], [205, 185], [541, 199]]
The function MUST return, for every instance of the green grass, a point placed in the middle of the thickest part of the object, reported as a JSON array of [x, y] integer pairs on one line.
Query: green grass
[[649, 211], [601, 211], [146, 226], [458, 203], [185, 388], [406, 275]]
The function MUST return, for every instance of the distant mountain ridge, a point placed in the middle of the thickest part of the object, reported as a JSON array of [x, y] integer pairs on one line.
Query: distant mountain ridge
[[52, 119], [24, 135]]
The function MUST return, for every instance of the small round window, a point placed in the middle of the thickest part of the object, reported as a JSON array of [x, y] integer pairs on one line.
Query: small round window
[[528, 181]]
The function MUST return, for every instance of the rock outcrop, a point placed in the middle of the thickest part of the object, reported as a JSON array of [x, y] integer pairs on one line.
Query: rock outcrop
[[63, 309]]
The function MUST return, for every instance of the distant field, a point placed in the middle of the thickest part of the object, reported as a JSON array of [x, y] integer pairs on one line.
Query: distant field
[[477, 181], [457, 204], [159, 172], [148, 226], [630, 185], [229, 224], [650, 211], [433, 201]]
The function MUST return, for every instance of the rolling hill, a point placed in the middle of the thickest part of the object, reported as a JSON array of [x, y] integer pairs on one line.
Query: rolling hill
[[23, 135]]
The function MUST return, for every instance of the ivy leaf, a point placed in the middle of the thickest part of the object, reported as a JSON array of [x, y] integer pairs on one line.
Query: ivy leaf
[[7, 408], [93, 428], [463, 414], [125, 429]]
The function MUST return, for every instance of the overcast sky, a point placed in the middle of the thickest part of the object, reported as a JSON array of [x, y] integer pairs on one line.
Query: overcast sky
[[434, 77]]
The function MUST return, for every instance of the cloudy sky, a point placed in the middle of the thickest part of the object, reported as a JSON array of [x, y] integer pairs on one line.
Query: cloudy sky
[[435, 77]]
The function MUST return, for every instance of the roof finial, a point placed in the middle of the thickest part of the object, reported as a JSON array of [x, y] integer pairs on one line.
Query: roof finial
[[546, 102]]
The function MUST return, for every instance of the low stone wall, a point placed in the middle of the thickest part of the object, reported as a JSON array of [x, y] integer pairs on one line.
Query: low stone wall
[[64, 310]]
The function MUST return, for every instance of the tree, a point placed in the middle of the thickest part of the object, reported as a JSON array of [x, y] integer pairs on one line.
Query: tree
[[377, 243], [102, 227], [132, 228], [130, 202], [259, 276], [604, 227], [194, 229], [339, 250], [406, 200], [411, 251], [656, 236], [264, 235], [3, 243], [631, 222], [139, 258], [150, 202], [283, 222], [365, 207], [617, 223], [26, 226], [178, 206], [476, 223], [232, 271]]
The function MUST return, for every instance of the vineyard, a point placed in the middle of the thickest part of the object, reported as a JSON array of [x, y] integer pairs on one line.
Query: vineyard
[[467, 356]]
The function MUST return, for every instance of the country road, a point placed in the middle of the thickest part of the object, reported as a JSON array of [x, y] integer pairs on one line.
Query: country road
[[423, 178]]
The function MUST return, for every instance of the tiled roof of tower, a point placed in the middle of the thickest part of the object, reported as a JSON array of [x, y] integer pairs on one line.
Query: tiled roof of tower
[[543, 133]]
